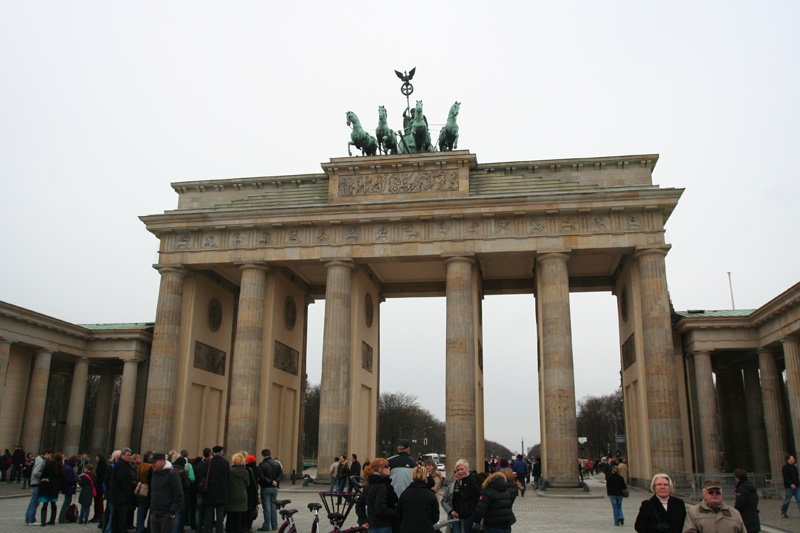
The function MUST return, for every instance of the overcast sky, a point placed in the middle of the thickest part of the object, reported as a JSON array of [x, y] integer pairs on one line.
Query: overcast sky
[[103, 104]]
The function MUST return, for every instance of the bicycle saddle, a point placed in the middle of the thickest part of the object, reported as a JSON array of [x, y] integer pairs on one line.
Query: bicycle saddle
[[314, 506], [282, 503], [336, 517], [287, 512]]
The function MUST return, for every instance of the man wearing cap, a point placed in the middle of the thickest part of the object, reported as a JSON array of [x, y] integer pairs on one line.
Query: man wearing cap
[[270, 479], [215, 500], [401, 466], [712, 515], [166, 495], [791, 484]]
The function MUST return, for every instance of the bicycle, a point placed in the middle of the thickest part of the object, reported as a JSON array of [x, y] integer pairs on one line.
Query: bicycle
[[338, 505], [287, 514]]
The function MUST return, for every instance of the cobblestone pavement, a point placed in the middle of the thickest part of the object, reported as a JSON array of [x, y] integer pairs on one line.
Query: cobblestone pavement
[[536, 512]]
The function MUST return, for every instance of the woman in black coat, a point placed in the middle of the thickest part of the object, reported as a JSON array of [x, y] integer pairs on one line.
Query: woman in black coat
[[55, 474], [494, 506], [746, 501], [615, 489], [418, 508], [653, 516], [377, 508]]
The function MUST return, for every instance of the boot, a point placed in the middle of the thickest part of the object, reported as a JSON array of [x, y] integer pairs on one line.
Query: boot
[[52, 521]]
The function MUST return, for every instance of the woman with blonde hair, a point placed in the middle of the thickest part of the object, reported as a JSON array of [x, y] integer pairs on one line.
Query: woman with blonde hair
[[238, 479], [376, 508], [418, 508], [434, 477], [663, 513]]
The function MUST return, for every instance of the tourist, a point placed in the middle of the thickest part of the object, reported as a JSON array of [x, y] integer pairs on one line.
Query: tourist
[[663, 513], [376, 510], [514, 486], [333, 469], [461, 497], [434, 477], [87, 484], [615, 488], [417, 507], [271, 476], [179, 467], [142, 500], [17, 463], [713, 515], [166, 495], [342, 473], [401, 466], [70, 486], [536, 472], [355, 471], [494, 508], [27, 470], [253, 473], [100, 476], [239, 479], [50, 484], [520, 470], [746, 501], [5, 464], [791, 484], [200, 470], [121, 488], [216, 498], [36, 474]]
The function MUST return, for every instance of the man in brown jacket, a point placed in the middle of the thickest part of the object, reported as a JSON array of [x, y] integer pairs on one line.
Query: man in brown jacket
[[713, 515]]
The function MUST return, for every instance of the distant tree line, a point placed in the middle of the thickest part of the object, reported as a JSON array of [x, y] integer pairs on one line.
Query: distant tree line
[[400, 416], [600, 420]]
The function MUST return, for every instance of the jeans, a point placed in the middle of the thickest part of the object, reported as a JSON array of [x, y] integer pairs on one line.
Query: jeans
[[110, 523], [268, 497], [464, 525], [333, 484], [160, 523], [199, 514], [215, 512], [179, 520], [616, 505], [789, 493], [62, 516], [83, 518], [141, 514], [340, 483], [387, 529], [30, 514]]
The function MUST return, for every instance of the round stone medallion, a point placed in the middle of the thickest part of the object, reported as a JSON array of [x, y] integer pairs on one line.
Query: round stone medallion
[[368, 309], [214, 314], [290, 313]]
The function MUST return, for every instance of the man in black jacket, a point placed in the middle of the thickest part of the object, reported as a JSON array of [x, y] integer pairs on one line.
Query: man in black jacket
[[216, 499], [355, 470], [791, 483], [166, 495], [271, 476], [121, 491]]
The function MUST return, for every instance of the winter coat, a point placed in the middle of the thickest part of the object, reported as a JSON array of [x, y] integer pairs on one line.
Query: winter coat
[[401, 466], [380, 501], [747, 505], [494, 506], [651, 513], [121, 483], [701, 518], [180, 468], [237, 496], [465, 495], [143, 476], [218, 472], [417, 509], [790, 476], [86, 496], [252, 488], [166, 491], [56, 481], [615, 486], [100, 476], [70, 480]]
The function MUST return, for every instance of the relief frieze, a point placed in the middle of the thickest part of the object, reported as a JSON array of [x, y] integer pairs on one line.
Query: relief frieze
[[399, 183]]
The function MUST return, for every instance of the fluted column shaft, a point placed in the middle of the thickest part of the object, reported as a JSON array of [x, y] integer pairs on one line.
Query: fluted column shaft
[[707, 408], [102, 414], [163, 378], [755, 417], [246, 364], [460, 419], [558, 374], [664, 423], [127, 397], [77, 401], [5, 353], [771, 383], [37, 396], [334, 409], [791, 356]]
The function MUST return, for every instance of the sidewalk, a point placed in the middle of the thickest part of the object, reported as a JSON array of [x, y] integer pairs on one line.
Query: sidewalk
[[536, 512]]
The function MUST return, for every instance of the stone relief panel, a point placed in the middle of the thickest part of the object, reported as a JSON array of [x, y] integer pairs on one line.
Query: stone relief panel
[[183, 241], [538, 225], [634, 221], [504, 227], [628, 353], [239, 239], [380, 233], [286, 358], [600, 223], [568, 225], [351, 234], [411, 231], [473, 229], [209, 358], [265, 238], [323, 235], [399, 183], [366, 356]]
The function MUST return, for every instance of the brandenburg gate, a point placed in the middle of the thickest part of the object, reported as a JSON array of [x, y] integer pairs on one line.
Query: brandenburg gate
[[241, 259]]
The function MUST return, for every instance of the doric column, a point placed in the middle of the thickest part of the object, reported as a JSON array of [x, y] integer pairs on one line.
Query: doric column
[[77, 400], [334, 409], [5, 352], [771, 384], [707, 408], [791, 356], [37, 396], [755, 417], [102, 414], [163, 378], [734, 412], [558, 374], [127, 397], [246, 364], [460, 420], [664, 422]]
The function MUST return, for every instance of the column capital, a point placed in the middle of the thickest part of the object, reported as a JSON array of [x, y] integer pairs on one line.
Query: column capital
[[560, 255], [254, 265], [695, 353], [661, 249], [790, 340], [164, 269], [458, 258], [340, 262], [765, 350], [4, 341]]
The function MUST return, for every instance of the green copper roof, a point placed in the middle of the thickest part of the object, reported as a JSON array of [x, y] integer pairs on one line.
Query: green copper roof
[[132, 325], [724, 313]]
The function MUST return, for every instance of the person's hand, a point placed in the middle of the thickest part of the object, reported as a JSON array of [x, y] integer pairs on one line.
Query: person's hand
[[454, 514]]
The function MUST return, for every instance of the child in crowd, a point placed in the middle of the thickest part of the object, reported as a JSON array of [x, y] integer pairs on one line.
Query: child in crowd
[[86, 482]]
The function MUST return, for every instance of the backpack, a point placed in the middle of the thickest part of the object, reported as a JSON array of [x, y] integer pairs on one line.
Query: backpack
[[72, 513]]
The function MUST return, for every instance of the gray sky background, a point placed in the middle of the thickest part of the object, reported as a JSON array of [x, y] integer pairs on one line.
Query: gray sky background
[[103, 104]]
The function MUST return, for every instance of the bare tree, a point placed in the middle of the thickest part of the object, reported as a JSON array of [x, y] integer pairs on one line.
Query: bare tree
[[600, 420]]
